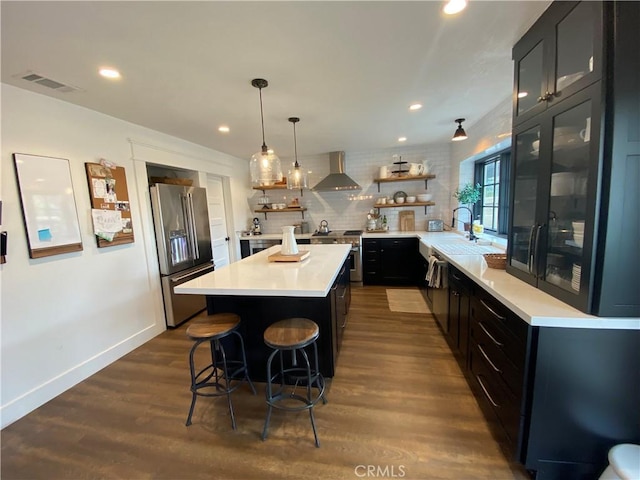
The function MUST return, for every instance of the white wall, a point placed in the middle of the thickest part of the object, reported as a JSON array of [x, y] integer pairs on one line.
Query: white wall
[[67, 316], [487, 135]]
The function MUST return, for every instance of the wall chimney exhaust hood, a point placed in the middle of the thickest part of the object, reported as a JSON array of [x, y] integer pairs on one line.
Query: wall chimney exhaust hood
[[337, 179]]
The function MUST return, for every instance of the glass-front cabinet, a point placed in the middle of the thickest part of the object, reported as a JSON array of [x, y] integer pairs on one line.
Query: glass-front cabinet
[[573, 227], [559, 56], [552, 222]]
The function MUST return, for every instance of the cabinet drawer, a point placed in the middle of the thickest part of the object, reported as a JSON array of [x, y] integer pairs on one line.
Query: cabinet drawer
[[494, 391], [490, 348], [507, 330]]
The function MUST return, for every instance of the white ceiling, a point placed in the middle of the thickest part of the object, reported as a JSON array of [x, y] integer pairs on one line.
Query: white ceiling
[[349, 70]]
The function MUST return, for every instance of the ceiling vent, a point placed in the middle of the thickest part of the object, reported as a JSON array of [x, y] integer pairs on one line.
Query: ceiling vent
[[47, 82]]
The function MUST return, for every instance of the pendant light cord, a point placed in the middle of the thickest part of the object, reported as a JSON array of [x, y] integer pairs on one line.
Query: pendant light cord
[[295, 145], [264, 144]]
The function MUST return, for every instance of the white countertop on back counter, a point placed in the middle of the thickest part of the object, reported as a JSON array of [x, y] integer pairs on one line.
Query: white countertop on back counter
[[256, 276], [531, 304]]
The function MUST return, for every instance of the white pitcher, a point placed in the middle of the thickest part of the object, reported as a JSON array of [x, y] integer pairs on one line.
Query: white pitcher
[[416, 169], [289, 245]]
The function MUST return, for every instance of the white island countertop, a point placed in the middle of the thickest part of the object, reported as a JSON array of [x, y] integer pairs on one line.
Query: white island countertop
[[256, 276]]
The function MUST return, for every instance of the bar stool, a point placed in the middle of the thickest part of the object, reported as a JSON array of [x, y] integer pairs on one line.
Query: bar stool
[[215, 379], [293, 334]]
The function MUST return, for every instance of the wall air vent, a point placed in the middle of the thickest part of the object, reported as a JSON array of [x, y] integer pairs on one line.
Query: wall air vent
[[47, 82]]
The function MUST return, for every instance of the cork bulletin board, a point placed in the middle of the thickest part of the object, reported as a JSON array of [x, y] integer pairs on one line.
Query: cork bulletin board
[[110, 208]]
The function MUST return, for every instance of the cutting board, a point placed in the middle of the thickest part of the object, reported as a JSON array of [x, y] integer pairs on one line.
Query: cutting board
[[298, 257], [407, 221]]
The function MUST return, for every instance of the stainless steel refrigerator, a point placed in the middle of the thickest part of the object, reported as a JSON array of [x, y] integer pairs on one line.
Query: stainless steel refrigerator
[[183, 238]]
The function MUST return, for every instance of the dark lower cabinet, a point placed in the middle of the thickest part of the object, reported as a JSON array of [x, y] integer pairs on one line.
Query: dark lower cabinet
[[561, 397], [390, 261], [460, 288], [499, 343]]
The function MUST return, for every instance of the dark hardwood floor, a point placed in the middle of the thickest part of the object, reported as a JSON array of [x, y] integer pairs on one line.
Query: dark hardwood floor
[[399, 407]]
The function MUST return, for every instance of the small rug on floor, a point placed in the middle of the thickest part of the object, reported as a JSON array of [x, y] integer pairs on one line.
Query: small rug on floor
[[406, 301]]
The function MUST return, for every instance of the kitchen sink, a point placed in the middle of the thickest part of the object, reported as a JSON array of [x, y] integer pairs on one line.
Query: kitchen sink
[[464, 247]]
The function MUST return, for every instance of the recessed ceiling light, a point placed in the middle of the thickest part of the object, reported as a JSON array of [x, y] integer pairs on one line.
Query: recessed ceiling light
[[454, 6], [522, 94], [415, 106], [402, 139], [223, 129], [109, 72]]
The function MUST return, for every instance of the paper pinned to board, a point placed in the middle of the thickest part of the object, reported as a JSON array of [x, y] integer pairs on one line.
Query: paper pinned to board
[[106, 223]]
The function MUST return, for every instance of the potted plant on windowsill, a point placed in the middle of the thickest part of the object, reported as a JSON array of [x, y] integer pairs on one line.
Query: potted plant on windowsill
[[468, 195]]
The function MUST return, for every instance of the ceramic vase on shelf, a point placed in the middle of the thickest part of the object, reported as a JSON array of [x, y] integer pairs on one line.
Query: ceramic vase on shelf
[[289, 245]]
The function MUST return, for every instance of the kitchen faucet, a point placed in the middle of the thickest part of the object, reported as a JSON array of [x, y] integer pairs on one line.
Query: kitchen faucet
[[453, 222]]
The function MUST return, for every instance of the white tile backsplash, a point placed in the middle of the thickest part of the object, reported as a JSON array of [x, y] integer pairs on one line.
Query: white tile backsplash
[[348, 209]]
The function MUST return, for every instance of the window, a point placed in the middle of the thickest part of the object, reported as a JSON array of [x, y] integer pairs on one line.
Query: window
[[492, 173]]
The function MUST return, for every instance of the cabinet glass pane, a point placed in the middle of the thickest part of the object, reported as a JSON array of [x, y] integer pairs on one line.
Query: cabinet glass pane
[[530, 79], [575, 38], [526, 166], [568, 201]]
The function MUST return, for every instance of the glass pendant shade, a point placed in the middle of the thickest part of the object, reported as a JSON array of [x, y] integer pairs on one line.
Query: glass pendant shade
[[265, 169], [296, 177]]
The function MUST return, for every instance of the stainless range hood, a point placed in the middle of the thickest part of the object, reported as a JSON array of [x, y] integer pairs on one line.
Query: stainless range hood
[[337, 179]]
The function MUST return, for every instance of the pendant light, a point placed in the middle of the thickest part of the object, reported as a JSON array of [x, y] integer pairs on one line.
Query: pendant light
[[460, 133], [265, 166], [296, 178]]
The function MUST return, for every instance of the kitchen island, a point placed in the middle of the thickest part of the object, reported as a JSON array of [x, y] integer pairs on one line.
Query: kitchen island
[[263, 292]]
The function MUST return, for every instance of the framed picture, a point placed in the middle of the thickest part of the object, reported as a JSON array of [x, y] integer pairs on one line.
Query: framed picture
[[48, 205]]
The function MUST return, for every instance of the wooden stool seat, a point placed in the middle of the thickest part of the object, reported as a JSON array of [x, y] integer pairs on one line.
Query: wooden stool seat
[[291, 333], [213, 325]]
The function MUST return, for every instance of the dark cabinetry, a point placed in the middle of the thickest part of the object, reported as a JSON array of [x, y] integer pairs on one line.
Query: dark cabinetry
[[574, 198], [561, 396], [460, 290], [499, 344], [561, 54], [340, 303], [390, 261]]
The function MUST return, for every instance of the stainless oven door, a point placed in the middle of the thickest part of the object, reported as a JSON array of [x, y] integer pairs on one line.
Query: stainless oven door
[[355, 262]]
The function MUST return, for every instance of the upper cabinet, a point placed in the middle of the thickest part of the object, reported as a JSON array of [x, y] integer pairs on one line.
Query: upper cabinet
[[574, 223], [560, 55]]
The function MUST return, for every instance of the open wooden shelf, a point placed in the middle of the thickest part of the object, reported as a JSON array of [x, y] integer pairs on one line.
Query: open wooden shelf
[[280, 210], [405, 204], [264, 188], [405, 178]]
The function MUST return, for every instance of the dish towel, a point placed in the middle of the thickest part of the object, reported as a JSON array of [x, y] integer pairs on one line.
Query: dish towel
[[434, 272]]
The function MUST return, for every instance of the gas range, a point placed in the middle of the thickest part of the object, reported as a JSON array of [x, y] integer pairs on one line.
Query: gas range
[[338, 236], [346, 237]]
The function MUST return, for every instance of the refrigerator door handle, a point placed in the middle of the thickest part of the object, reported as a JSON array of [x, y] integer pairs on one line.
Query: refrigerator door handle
[[192, 221]]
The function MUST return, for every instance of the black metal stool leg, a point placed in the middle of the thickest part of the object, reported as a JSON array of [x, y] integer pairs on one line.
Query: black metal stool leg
[[244, 362], [225, 371], [192, 369], [269, 395]]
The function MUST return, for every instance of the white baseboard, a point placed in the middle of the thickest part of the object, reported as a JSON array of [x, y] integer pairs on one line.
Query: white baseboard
[[28, 402]]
